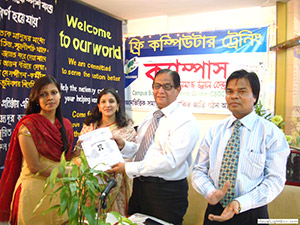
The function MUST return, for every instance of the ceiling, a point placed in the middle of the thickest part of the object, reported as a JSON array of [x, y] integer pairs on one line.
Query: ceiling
[[138, 9]]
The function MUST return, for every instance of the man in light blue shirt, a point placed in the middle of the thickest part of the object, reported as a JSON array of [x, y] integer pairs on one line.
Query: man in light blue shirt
[[261, 167]]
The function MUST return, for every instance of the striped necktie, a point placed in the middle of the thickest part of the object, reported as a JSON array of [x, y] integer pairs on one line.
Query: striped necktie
[[230, 163], [148, 136]]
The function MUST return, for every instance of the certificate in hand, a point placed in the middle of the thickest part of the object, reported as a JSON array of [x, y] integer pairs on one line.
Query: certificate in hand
[[101, 152]]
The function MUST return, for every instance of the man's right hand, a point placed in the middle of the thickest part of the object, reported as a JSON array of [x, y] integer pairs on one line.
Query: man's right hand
[[214, 197], [120, 142], [117, 168]]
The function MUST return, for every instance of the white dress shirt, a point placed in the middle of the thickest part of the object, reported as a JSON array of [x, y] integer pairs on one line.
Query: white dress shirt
[[169, 156], [262, 160]]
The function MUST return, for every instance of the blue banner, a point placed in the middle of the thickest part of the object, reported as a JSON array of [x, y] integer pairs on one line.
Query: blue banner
[[209, 42], [89, 58], [27, 32]]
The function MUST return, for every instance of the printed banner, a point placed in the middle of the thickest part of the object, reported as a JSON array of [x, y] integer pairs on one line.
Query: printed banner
[[89, 58], [203, 61], [27, 53]]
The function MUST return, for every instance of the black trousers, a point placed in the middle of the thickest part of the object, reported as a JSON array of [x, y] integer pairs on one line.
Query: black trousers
[[245, 218], [153, 196]]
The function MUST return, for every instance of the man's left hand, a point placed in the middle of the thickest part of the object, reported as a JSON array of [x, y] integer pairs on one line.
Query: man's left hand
[[231, 209], [117, 168]]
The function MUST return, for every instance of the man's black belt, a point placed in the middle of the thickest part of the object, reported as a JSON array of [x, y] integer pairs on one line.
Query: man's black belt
[[155, 179]]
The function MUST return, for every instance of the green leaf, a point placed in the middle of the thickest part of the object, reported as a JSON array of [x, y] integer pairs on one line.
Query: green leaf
[[73, 221], [62, 167], [53, 176], [117, 215], [47, 182], [101, 222], [73, 188], [90, 214], [91, 186], [73, 212], [41, 201], [50, 209], [63, 159], [57, 190], [68, 179], [121, 219], [64, 200], [75, 171], [39, 172], [95, 180], [83, 161], [127, 221]]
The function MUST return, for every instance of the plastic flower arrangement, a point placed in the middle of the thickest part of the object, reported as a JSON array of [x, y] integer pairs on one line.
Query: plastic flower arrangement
[[277, 120]]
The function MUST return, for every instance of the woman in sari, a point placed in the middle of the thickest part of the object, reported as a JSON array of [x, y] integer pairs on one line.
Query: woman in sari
[[109, 113], [36, 146]]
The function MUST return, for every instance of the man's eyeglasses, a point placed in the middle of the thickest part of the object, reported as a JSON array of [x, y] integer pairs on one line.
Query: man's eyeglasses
[[166, 87]]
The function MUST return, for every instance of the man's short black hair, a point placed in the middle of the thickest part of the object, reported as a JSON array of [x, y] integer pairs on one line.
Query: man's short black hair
[[251, 77]]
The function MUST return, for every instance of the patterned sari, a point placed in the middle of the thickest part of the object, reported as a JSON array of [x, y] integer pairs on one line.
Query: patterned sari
[[119, 196], [17, 177]]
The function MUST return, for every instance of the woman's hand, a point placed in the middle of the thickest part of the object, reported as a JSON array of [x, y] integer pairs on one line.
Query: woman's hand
[[77, 149]]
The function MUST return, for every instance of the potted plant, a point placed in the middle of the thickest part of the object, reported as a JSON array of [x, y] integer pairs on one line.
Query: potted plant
[[79, 191]]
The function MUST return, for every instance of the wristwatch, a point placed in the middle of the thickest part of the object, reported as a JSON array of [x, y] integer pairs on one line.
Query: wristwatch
[[239, 205]]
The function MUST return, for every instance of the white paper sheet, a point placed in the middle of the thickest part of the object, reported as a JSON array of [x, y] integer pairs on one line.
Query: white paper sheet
[[101, 152], [140, 219]]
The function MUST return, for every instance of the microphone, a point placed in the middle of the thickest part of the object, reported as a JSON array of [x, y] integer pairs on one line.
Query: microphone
[[111, 184]]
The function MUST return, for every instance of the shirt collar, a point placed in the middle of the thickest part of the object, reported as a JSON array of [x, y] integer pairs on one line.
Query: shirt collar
[[247, 120], [169, 109]]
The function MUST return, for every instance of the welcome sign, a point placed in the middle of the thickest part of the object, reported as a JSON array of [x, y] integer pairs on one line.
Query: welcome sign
[[89, 58], [88, 46]]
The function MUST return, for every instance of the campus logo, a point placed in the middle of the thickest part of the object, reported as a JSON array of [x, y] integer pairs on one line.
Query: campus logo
[[131, 70]]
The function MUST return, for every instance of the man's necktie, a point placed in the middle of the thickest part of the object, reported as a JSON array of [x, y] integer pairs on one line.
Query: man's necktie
[[230, 163], [148, 136]]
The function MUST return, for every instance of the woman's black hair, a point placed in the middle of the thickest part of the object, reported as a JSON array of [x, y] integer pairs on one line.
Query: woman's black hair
[[34, 107], [96, 116]]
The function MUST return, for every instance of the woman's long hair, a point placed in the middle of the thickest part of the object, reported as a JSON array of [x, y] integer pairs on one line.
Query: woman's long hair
[[96, 116], [34, 107]]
